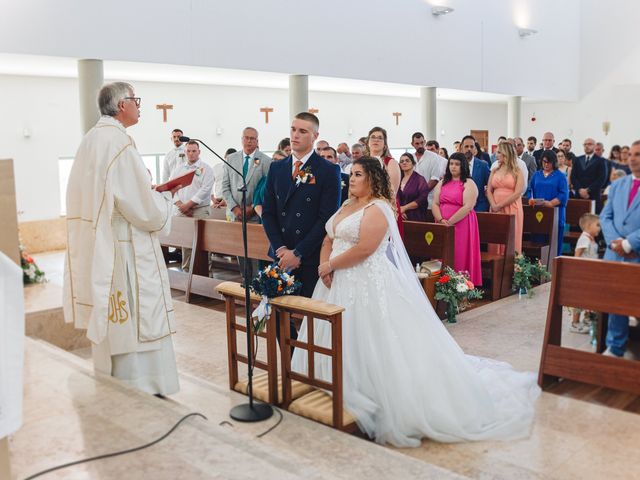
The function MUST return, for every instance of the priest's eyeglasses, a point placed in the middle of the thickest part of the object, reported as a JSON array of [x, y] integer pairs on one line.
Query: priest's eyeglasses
[[137, 100]]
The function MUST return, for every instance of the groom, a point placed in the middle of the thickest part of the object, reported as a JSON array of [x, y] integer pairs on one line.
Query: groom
[[301, 194]]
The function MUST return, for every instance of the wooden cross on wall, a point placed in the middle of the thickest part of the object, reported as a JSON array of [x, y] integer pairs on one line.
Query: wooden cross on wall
[[313, 110], [266, 111], [397, 115], [164, 107]]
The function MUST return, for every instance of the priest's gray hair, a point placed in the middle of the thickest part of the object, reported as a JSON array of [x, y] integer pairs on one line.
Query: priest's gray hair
[[111, 94]]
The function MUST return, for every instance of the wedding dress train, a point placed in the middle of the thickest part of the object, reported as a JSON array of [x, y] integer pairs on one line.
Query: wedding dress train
[[404, 376]]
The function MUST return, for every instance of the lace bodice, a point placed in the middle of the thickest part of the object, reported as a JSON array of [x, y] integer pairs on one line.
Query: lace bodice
[[347, 234]]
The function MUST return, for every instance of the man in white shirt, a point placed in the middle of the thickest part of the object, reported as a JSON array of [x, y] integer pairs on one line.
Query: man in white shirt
[[195, 199], [174, 157], [431, 166]]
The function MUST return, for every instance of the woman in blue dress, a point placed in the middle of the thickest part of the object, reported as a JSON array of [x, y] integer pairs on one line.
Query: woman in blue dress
[[551, 185]]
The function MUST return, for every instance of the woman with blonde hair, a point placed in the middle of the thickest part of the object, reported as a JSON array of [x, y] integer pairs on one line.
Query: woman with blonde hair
[[505, 187]]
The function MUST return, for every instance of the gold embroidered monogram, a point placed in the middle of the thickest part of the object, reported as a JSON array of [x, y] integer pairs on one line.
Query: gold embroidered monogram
[[118, 308]]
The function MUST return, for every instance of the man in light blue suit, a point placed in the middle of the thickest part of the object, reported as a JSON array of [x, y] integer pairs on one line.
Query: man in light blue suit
[[620, 220], [479, 172]]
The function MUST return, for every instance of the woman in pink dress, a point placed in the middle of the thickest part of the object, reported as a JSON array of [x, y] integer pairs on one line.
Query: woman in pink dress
[[453, 201], [504, 190]]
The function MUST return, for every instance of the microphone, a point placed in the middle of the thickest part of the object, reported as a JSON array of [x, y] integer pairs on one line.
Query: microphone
[[185, 139]]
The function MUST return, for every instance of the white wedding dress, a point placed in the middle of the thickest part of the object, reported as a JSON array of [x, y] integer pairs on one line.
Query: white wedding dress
[[404, 376]]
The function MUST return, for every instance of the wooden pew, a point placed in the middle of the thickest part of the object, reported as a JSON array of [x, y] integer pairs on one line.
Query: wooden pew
[[612, 287], [575, 209], [184, 234], [426, 241], [225, 238], [540, 220], [497, 270]]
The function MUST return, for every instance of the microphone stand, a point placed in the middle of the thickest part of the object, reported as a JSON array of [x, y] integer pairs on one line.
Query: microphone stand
[[247, 412]]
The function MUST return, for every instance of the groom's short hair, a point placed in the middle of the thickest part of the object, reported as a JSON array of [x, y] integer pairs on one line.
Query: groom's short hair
[[309, 117]]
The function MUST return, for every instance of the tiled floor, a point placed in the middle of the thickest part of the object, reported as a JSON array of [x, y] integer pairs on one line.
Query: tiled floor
[[571, 438]]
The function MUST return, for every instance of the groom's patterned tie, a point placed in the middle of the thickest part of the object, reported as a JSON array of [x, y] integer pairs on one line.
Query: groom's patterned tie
[[296, 171]]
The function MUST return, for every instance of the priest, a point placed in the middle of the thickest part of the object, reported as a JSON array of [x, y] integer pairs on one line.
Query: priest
[[116, 284]]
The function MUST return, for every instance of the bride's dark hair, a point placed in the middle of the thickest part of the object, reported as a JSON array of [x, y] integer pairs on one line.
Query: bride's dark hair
[[378, 178]]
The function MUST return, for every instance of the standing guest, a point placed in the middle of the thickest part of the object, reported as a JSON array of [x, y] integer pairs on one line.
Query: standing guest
[[258, 194], [624, 155], [531, 145], [116, 285], [218, 176], [443, 152], [433, 146], [377, 147], [482, 154], [614, 154], [295, 212], [453, 203], [620, 221], [615, 175], [362, 141], [562, 164], [344, 156], [521, 165], [479, 172], [414, 191], [547, 144], [195, 199], [418, 142], [493, 155], [357, 151], [505, 188], [456, 146], [331, 155], [599, 149], [586, 247], [285, 146], [527, 159], [565, 145], [254, 165], [320, 145], [589, 174], [175, 156], [551, 185]]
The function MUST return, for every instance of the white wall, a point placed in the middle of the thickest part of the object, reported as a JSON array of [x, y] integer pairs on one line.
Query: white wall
[[48, 108], [474, 48]]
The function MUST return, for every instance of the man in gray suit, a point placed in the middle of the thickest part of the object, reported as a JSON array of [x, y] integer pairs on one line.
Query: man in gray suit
[[254, 165], [526, 157]]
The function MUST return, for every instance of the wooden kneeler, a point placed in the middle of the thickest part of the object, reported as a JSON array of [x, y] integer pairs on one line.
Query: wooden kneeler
[[316, 405], [265, 387], [599, 286]]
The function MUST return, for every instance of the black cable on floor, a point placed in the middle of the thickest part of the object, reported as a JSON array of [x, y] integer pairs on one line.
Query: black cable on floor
[[114, 454], [274, 426]]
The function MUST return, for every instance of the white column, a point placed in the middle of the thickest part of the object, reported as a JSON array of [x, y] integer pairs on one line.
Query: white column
[[514, 112], [298, 94], [428, 112], [90, 80]]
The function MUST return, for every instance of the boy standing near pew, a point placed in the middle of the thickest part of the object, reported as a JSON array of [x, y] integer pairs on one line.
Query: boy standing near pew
[[585, 248]]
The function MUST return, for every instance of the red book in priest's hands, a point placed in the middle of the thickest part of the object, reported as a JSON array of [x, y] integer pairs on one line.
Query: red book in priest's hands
[[183, 180]]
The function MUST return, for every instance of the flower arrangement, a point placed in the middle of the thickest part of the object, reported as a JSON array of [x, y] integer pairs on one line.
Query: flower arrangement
[[456, 290], [526, 271], [30, 271], [305, 176], [271, 282]]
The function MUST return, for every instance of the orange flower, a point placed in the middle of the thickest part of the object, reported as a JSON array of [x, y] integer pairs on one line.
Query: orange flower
[[279, 288], [470, 285]]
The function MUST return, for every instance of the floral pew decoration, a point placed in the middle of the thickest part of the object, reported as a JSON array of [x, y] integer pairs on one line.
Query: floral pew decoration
[[525, 272], [456, 290]]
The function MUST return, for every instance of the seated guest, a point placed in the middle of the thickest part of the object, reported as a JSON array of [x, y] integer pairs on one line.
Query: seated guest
[[615, 175], [504, 190], [551, 185], [453, 202], [258, 193], [413, 193], [479, 170]]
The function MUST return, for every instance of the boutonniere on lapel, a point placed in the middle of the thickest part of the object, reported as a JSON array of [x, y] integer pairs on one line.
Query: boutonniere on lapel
[[305, 176], [342, 184], [256, 161], [199, 171]]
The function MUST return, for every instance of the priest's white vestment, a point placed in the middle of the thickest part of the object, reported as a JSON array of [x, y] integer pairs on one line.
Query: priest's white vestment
[[115, 281]]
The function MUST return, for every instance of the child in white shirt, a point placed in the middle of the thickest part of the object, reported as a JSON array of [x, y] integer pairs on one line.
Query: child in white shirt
[[585, 248]]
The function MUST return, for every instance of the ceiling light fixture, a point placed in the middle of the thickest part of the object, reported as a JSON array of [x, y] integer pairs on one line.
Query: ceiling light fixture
[[438, 10], [526, 32]]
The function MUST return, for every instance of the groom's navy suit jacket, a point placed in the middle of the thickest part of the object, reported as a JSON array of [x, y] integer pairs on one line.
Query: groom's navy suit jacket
[[294, 215]]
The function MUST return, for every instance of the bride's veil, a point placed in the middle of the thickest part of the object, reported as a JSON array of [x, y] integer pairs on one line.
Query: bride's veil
[[400, 258]]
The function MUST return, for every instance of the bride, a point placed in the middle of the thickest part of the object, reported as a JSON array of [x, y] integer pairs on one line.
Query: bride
[[405, 378]]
